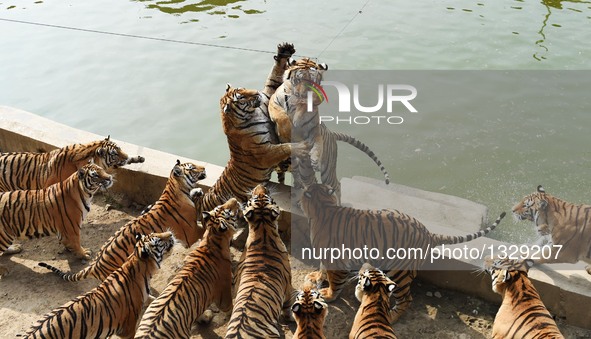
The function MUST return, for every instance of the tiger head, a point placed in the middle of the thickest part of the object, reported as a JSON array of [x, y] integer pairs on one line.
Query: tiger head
[[302, 74], [92, 177], [531, 205], [187, 174], [109, 155], [222, 219], [261, 207], [154, 246], [238, 105], [503, 271], [317, 196], [371, 281], [309, 304]]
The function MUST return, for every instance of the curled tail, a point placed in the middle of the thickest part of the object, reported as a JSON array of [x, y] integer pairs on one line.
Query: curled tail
[[451, 239], [83, 274], [363, 148]]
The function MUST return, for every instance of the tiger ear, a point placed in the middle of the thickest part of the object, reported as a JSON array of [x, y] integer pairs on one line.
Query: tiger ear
[[227, 109], [100, 151], [528, 263], [205, 216], [248, 215], [541, 189], [542, 203], [81, 173], [391, 287], [331, 191], [367, 284], [296, 308], [506, 276], [318, 306], [323, 66], [228, 86], [145, 254], [108, 137], [177, 171]]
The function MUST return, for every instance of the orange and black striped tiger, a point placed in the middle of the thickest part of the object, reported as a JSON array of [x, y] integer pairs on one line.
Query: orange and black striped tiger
[[58, 209], [522, 314], [558, 222], [309, 311], [205, 278], [174, 211], [333, 226], [113, 307], [254, 149], [29, 171], [289, 112], [263, 275], [374, 316]]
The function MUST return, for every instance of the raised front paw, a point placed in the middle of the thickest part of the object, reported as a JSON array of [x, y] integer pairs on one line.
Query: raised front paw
[[300, 149], [284, 51], [195, 193], [136, 160]]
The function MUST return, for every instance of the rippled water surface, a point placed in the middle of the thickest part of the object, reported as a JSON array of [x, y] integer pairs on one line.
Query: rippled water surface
[[163, 93]]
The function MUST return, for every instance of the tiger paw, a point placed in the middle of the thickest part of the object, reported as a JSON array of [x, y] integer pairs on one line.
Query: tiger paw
[[196, 193], [136, 160], [328, 294], [206, 317], [3, 271], [14, 248], [300, 149], [284, 51], [83, 253], [316, 278]]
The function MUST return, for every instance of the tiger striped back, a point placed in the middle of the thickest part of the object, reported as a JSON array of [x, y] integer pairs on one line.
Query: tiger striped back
[[309, 311], [174, 211], [206, 277], [28, 171], [58, 209], [114, 306], [254, 148], [335, 226], [522, 313], [263, 275], [374, 315]]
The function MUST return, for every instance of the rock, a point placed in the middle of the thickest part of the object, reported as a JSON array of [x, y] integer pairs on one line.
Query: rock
[[437, 295], [429, 294]]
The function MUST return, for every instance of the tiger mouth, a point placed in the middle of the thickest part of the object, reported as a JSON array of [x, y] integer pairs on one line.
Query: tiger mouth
[[106, 183]]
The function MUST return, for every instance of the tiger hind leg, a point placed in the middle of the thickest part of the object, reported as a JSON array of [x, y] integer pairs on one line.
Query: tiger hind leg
[[402, 296]]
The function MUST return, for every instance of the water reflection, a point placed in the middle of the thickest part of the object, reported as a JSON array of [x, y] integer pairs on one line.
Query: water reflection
[[549, 4], [228, 8]]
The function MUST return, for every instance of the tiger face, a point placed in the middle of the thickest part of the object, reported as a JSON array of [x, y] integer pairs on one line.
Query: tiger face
[[188, 174], [531, 205], [302, 73], [92, 177], [372, 280], [309, 302], [109, 155], [239, 104], [155, 246], [503, 271], [316, 196], [223, 218], [260, 206]]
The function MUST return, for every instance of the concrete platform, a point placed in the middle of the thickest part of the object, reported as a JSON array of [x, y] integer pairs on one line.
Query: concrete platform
[[566, 292]]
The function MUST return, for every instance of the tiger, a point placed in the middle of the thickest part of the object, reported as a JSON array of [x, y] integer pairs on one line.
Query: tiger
[[113, 307], [558, 222], [254, 148], [289, 112], [335, 226], [30, 171], [309, 311], [58, 209], [174, 211], [205, 277], [373, 290], [263, 275], [522, 313]]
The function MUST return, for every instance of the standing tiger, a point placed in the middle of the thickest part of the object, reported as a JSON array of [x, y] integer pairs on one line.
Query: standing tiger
[[263, 275], [29, 171], [309, 311], [205, 277], [522, 314], [289, 112], [58, 209], [558, 222], [373, 318], [335, 226], [115, 305], [254, 148], [174, 211]]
